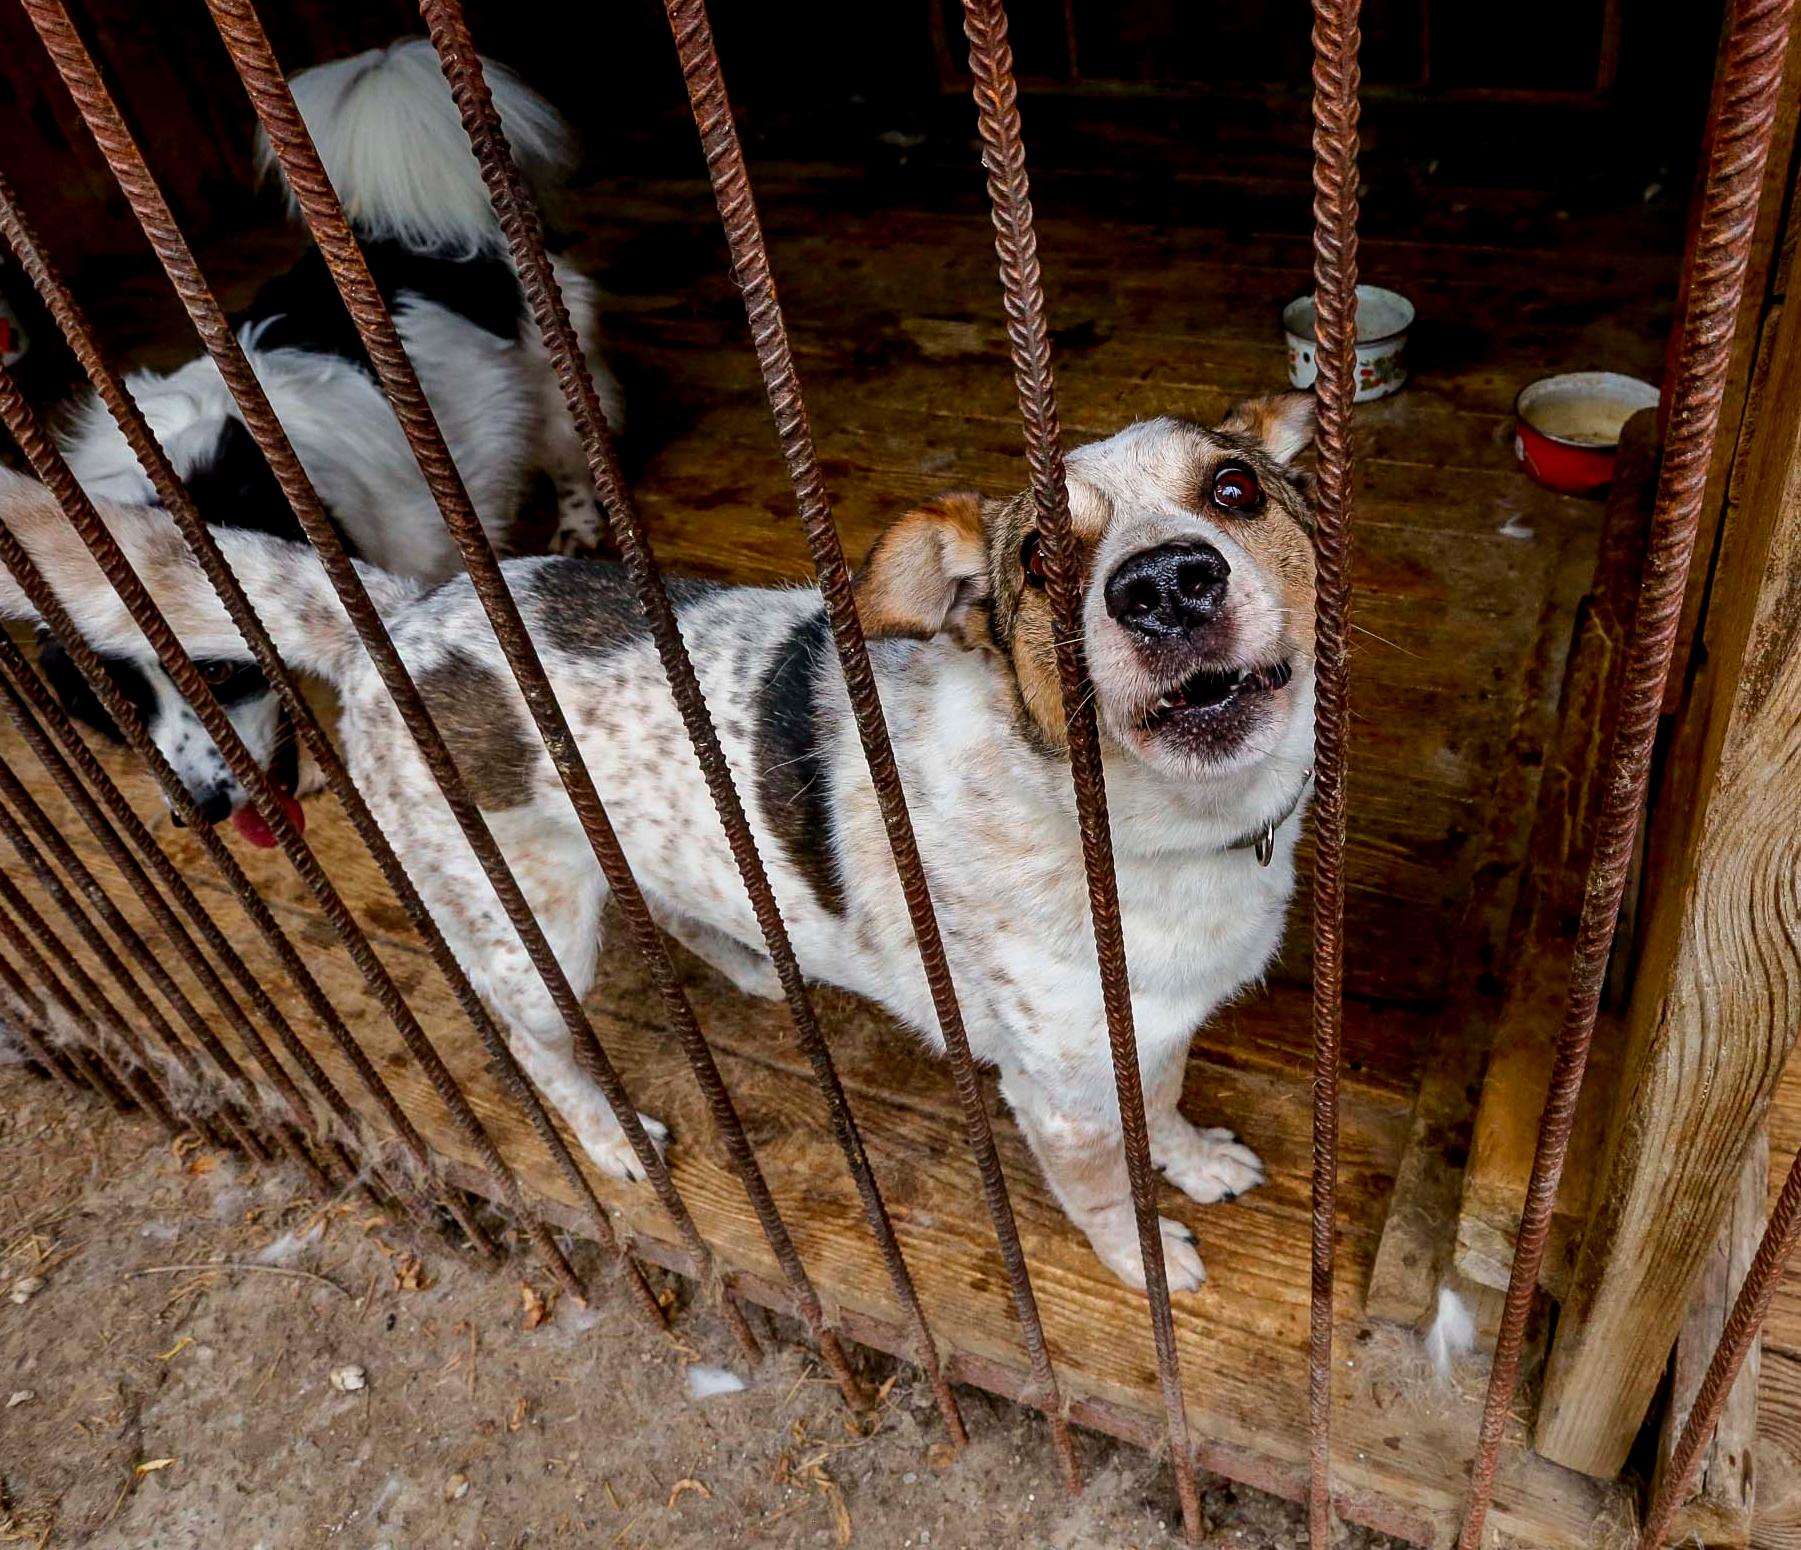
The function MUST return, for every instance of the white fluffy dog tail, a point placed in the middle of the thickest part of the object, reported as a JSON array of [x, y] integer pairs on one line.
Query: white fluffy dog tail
[[285, 582], [393, 145]]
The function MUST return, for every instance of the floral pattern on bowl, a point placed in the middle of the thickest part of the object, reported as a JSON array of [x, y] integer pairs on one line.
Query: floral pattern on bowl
[[1383, 319]]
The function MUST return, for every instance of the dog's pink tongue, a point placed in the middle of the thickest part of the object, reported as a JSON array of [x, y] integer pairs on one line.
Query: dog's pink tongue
[[249, 822]]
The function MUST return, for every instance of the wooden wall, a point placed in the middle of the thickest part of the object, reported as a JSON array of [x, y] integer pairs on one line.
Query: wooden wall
[[611, 68]]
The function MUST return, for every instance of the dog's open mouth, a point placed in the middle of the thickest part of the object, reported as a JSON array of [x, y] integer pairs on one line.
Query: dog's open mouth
[[1203, 695], [284, 780], [255, 828]]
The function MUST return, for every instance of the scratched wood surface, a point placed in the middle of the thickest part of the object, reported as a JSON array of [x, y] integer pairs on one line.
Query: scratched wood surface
[[1717, 1510], [1776, 1522]]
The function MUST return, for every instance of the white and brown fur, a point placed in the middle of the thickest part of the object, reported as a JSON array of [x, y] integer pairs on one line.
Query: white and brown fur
[[961, 641], [388, 133]]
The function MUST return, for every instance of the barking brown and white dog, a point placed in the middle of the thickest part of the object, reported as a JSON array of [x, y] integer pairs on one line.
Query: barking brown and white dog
[[1197, 618]]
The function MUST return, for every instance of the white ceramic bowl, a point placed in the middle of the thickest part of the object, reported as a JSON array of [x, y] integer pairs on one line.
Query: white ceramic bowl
[[1383, 318]]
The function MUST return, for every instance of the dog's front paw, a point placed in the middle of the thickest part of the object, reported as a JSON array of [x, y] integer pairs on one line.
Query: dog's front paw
[[1206, 1165], [1115, 1240], [606, 1145]]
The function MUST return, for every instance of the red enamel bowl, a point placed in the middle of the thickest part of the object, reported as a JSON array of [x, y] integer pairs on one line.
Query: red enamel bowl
[[1567, 428]]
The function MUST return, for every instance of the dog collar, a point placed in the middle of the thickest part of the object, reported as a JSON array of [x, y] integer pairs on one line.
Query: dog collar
[[1262, 839]]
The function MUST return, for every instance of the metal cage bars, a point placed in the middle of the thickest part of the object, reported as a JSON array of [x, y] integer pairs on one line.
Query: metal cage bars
[[1774, 1250], [999, 120], [111, 390], [51, 468], [127, 163], [245, 41], [1745, 108], [175, 498], [750, 264], [1753, 67], [135, 1083], [87, 787], [1335, 113], [1016, 248], [520, 223]]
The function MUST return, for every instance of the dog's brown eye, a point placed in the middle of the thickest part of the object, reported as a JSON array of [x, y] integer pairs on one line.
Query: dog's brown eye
[[1235, 488], [215, 673], [1031, 560]]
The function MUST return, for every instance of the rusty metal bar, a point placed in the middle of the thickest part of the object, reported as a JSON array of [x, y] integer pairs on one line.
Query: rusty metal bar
[[80, 1041], [248, 45], [711, 107], [69, 1065], [523, 229], [51, 840], [112, 841], [88, 1063], [181, 1058], [1016, 246], [31, 707], [1335, 112], [22, 1026], [1750, 81], [1774, 1250], [99, 1019], [47, 462], [153, 213]]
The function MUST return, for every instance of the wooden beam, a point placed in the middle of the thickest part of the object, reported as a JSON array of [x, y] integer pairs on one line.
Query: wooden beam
[[1717, 999], [1765, 281], [1414, 1256], [1777, 1524], [1717, 1513], [1543, 934]]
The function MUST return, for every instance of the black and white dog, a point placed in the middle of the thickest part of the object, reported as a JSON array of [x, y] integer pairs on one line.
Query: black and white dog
[[387, 129], [1197, 567]]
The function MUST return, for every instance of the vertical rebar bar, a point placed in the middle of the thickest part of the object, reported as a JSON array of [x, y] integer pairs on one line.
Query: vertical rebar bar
[[1774, 1250], [50, 838], [1016, 246], [1335, 113], [248, 45], [210, 321], [1750, 82], [48, 463], [89, 1010], [523, 229]]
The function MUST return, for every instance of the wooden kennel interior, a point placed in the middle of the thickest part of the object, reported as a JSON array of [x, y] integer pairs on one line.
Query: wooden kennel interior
[[1543, 208]]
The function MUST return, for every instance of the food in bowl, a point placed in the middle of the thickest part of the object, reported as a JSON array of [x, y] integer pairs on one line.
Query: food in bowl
[[1567, 428]]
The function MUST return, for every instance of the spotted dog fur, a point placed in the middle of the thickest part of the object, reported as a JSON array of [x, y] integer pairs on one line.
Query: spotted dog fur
[[1197, 601]]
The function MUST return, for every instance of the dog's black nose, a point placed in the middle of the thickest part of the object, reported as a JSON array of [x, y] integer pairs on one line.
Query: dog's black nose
[[1167, 592], [215, 806]]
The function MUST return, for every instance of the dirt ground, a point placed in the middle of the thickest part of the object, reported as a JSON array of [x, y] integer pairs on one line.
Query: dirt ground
[[151, 1402]]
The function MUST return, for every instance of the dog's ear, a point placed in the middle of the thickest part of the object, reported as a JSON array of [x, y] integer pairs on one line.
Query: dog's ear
[[1282, 422], [926, 571]]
